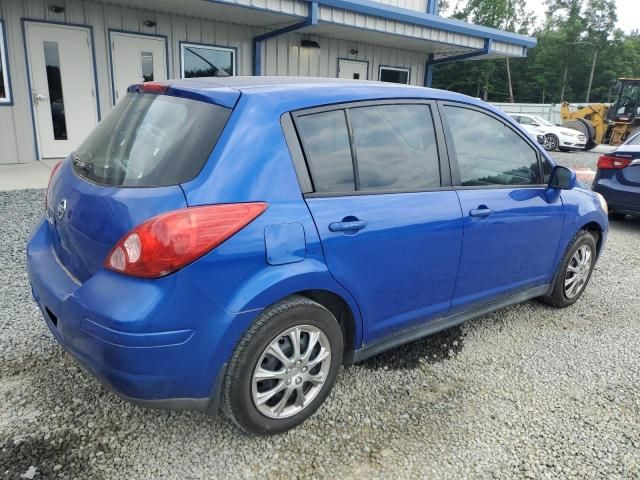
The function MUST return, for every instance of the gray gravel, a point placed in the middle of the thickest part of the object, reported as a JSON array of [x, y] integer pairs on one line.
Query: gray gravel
[[525, 392]]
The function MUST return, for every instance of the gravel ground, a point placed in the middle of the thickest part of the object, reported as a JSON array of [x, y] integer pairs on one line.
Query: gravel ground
[[525, 392], [580, 160]]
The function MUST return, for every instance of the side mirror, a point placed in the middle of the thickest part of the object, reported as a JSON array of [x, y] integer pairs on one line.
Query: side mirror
[[562, 178], [540, 139]]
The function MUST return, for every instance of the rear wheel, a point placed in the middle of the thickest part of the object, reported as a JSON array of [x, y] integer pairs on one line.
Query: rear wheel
[[574, 272], [284, 367]]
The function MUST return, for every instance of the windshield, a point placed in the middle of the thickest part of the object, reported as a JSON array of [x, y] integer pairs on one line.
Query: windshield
[[627, 100], [635, 140], [151, 140], [543, 121]]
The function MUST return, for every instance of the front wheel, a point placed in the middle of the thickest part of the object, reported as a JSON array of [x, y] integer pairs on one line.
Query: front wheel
[[284, 367], [551, 142], [574, 272]]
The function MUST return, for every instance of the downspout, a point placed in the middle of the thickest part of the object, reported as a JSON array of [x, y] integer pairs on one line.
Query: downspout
[[312, 19], [433, 7], [428, 73]]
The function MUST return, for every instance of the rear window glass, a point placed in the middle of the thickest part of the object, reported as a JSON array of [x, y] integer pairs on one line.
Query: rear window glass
[[151, 140]]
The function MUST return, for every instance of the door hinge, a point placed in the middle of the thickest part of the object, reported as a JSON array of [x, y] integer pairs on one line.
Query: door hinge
[[93, 93]]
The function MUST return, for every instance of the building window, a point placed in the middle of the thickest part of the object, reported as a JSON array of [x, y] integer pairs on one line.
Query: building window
[[5, 92], [207, 61], [394, 75]]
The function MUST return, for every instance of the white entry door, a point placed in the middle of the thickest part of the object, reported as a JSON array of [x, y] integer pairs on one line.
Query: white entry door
[[136, 59], [353, 69], [60, 62]]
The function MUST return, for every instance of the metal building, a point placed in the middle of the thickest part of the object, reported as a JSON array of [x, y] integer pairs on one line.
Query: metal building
[[65, 63]]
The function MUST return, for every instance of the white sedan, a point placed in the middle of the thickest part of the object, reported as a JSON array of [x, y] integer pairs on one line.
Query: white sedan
[[555, 137]]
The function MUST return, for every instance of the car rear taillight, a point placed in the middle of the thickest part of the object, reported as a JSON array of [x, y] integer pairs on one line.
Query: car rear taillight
[[54, 170], [172, 240], [608, 162]]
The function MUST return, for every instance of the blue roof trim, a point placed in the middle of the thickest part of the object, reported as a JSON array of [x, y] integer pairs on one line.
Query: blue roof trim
[[377, 9]]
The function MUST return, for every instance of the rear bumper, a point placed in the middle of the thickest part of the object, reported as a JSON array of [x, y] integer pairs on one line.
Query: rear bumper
[[620, 198], [158, 343]]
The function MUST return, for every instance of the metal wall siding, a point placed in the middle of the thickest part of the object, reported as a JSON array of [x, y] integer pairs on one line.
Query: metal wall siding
[[507, 49], [295, 7], [419, 5], [337, 15], [283, 56]]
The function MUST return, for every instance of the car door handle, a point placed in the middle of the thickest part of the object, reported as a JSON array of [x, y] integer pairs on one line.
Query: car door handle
[[481, 212], [350, 226]]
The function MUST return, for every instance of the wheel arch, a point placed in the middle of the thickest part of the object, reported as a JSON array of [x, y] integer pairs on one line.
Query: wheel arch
[[312, 281], [341, 310], [596, 230]]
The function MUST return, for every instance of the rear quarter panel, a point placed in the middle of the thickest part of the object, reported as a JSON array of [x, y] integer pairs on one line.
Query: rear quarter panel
[[251, 163]]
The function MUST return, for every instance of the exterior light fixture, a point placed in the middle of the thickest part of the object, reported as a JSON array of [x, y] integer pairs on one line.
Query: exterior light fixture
[[56, 8], [309, 44], [149, 23], [354, 51]]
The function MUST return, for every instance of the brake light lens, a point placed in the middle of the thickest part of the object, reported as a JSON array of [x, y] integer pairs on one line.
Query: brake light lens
[[54, 170], [168, 242], [608, 162], [154, 87]]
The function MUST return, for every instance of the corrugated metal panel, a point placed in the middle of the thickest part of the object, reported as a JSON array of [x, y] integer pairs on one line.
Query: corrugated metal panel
[[418, 5], [508, 49], [342, 17], [294, 7], [283, 56]]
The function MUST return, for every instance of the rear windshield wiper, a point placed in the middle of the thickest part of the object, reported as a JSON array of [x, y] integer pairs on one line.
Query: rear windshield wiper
[[82, 165]]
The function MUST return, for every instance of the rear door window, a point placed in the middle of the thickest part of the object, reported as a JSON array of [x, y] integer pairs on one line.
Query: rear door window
[[387, 147], [151, 140], [395, 147], [488, 152]]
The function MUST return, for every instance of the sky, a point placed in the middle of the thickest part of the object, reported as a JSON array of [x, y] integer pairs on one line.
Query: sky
[[628, 12]]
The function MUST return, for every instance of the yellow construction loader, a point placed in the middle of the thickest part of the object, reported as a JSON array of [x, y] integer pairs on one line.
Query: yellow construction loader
[[603, 123]]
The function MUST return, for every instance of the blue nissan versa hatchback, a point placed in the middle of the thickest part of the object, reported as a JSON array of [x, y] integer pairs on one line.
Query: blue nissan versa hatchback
[[229, 243]]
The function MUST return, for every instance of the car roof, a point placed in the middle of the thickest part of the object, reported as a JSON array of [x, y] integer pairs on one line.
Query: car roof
[[302, 86]]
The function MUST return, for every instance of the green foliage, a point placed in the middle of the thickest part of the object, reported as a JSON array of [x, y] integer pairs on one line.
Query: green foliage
[[571, 33]]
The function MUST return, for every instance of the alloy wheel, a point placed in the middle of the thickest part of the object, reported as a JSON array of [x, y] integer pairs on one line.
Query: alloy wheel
[[550, 142], [291, 371], [578, 271]]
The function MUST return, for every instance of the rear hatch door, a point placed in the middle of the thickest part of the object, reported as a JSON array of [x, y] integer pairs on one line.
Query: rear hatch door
[[130, 169]]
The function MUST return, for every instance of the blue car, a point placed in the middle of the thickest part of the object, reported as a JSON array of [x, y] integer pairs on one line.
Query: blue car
[[618, 179], [229, 243]]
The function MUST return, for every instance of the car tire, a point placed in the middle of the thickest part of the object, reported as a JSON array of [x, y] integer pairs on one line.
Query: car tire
[[551, 142], [616, 216], [573, 266], [253, 398]]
